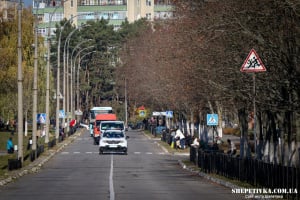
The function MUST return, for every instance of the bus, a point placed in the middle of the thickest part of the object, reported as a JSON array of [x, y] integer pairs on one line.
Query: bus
[[95, 111]]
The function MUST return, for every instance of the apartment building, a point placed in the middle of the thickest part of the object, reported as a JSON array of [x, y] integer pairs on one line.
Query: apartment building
[[7, 10], [49, 12]]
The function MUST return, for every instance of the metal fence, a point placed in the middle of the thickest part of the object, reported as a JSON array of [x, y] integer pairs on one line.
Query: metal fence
[[249, 170]]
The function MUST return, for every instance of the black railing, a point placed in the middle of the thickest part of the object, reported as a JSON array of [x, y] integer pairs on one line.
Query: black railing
[[249, 170]]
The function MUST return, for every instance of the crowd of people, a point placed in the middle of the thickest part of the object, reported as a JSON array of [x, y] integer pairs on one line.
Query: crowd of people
[[178, 140]]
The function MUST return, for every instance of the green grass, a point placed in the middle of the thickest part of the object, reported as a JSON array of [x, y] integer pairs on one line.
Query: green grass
[[4, 135]]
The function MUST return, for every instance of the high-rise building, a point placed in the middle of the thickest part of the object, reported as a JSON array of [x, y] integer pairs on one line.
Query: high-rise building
[[7, 10], [49, 12]]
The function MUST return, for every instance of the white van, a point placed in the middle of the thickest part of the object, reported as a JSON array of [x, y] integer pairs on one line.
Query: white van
[[112, 125]]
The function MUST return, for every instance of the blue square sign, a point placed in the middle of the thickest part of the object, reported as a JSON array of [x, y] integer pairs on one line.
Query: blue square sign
[[212, 119]]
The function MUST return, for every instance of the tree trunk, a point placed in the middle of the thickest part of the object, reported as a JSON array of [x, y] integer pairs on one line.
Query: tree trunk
[[244, 132]]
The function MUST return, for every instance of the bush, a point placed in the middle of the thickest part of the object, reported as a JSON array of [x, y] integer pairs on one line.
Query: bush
[[231, 131]]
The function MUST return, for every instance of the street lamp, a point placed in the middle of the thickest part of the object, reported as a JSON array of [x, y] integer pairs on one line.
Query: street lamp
[[72, 67], [35, 74], [77, 86], [20, 86], [48, 79], [65, 75], [58, 76], [57, 81]]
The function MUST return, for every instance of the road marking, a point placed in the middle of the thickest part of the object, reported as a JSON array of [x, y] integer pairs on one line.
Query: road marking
[[111, 181], [136, 152]]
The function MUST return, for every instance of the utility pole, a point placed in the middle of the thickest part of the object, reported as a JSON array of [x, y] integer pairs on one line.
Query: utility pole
[[35, 74], [20, 86], [126, 121]]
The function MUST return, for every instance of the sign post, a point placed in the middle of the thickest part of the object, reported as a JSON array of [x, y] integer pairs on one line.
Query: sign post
[[253, 64], [212, 120]]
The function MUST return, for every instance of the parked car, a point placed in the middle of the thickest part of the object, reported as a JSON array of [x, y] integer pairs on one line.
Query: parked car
[[113, 141]]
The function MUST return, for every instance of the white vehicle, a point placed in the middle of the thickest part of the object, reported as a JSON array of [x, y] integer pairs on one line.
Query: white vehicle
[[113, 141], [112, 125], [94, 112]]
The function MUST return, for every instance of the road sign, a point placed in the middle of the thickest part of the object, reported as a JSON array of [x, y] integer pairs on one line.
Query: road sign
[[41, 118], [62, 114], [253, 63], [212, 119], [169, 114], [78, 112]]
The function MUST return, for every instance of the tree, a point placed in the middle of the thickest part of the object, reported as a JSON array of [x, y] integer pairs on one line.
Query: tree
[[192, 62]]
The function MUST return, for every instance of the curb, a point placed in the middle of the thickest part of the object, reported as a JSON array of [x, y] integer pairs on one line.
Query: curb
[[35, 166], [215, 180]]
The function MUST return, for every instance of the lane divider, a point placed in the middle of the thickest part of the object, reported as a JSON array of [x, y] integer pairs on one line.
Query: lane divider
[[111, 181]]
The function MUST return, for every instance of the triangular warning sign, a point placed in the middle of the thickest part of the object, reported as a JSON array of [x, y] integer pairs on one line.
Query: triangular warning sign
[[253, 63], [212, 120]]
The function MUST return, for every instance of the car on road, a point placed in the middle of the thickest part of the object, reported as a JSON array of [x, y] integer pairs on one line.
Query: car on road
[[99, 119], [113, 141]]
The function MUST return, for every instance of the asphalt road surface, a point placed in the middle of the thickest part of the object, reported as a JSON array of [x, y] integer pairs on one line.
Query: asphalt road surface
[[147, 173]]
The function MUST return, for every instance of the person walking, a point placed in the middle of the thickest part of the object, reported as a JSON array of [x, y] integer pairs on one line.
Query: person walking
[[179, 135], [10, 146], [232, 150]]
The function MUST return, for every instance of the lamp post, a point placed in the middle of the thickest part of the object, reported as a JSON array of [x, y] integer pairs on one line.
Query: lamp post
[[72, 67], [58, 76], [35, 74], [125, 96], [77, 85], [57, 81], [48, 79], [20, 86], [66, 69]]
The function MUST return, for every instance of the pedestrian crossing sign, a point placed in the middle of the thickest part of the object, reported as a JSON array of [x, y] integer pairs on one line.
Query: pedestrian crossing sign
[[253, 63], [41, 118], [212, 119], [61, 114]]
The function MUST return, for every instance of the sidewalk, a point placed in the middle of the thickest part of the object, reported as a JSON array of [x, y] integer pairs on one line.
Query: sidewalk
[[36, 165], [193, 168]]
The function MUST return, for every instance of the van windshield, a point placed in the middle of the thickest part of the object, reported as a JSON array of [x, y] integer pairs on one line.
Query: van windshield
[[113, 135], [112, 126]]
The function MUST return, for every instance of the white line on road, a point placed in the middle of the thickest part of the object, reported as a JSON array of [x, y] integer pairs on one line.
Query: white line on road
[[111, 181], [76, 152]]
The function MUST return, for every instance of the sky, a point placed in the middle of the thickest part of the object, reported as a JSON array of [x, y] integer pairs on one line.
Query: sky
[[27, 3]]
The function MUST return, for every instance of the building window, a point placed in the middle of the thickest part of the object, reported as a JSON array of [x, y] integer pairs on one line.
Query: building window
[[72, 4], [148, 2]]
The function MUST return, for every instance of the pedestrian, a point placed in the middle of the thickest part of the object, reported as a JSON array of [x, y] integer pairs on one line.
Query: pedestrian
[[179, 136], [195, 142], [10, 146], [232, 150]]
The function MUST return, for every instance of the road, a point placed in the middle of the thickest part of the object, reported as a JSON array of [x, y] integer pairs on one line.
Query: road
[[147, 172]]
